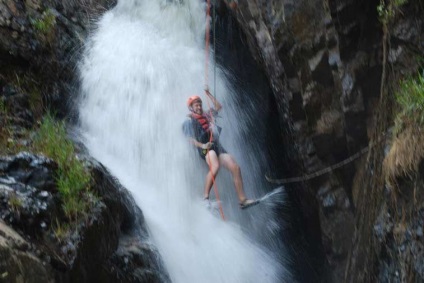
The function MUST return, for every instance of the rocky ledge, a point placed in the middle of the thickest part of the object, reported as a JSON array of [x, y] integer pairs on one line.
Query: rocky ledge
[[109, 243]]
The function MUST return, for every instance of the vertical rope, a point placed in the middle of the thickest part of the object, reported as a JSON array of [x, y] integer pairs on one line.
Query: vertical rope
[[214, 51], [207, 39]]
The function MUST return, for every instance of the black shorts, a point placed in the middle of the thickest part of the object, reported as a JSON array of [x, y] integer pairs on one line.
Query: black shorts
[[217, 147]]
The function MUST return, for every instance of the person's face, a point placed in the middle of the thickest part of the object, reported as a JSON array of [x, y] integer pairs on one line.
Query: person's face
[[197, 107]]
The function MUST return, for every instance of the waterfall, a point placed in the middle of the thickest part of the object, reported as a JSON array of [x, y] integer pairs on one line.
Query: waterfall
[[140, 65]]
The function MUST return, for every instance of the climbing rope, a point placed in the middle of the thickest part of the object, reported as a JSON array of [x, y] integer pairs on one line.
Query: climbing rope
[[214, 51], [317, 173], [207, 39], [325, 170]]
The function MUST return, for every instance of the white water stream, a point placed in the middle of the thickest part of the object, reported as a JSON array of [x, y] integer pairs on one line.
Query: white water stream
[[140, 65]]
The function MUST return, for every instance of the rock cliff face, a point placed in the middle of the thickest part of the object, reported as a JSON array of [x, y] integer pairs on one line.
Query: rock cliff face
[[42, 43], [324, 62], [37, 243]]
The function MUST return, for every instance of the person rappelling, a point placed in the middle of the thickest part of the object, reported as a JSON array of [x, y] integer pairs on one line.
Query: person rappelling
[[203, 134]]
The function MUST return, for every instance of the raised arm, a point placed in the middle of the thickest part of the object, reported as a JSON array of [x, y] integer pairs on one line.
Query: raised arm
[[216, 105]]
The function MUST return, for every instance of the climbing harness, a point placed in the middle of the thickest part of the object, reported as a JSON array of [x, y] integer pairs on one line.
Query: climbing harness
[[221, 212], [202, 120]]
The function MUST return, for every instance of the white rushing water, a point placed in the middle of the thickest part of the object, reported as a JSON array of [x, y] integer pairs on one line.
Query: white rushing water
[[141, 64]]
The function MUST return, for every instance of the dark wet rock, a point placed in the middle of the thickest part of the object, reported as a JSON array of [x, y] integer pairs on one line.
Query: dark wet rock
[[327, 57], [329, 201], [31, 170], [41, 43], [336, 223], [27, 189], [419, 231], [399, 233], [17, 263], [18, 107], [383, 226], [133, 240], [110, 243], [135, 261]]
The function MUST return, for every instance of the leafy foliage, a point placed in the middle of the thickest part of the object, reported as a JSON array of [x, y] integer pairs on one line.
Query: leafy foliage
[[46, 23], [410, 98], [387, 9], [72, 179], [407, 149]]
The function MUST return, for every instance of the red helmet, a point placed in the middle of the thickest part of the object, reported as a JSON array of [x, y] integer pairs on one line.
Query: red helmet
[[192, 99]]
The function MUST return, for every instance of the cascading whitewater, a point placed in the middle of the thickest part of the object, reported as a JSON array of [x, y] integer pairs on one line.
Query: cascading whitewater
[[140, 65]]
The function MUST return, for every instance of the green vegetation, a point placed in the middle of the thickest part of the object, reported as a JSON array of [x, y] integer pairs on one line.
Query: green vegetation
[[60, 230], [387, 10], [4, 129], [72, 179], [407, 148], [3, 110], [14, 202], [11, 137], [27, 83], [45, 27], [410, 98], [46, 23]]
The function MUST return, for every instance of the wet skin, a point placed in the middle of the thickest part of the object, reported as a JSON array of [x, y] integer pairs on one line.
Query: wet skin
[[197, 107]]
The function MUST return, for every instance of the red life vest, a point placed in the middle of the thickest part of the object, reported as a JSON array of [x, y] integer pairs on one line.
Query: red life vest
[[202, 119]]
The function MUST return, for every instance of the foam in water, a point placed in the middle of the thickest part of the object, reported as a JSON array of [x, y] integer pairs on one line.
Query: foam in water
[[143, 61]]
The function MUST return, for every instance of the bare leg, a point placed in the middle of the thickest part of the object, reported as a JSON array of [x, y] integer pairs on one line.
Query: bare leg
[[228, 162], [213, 162]]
